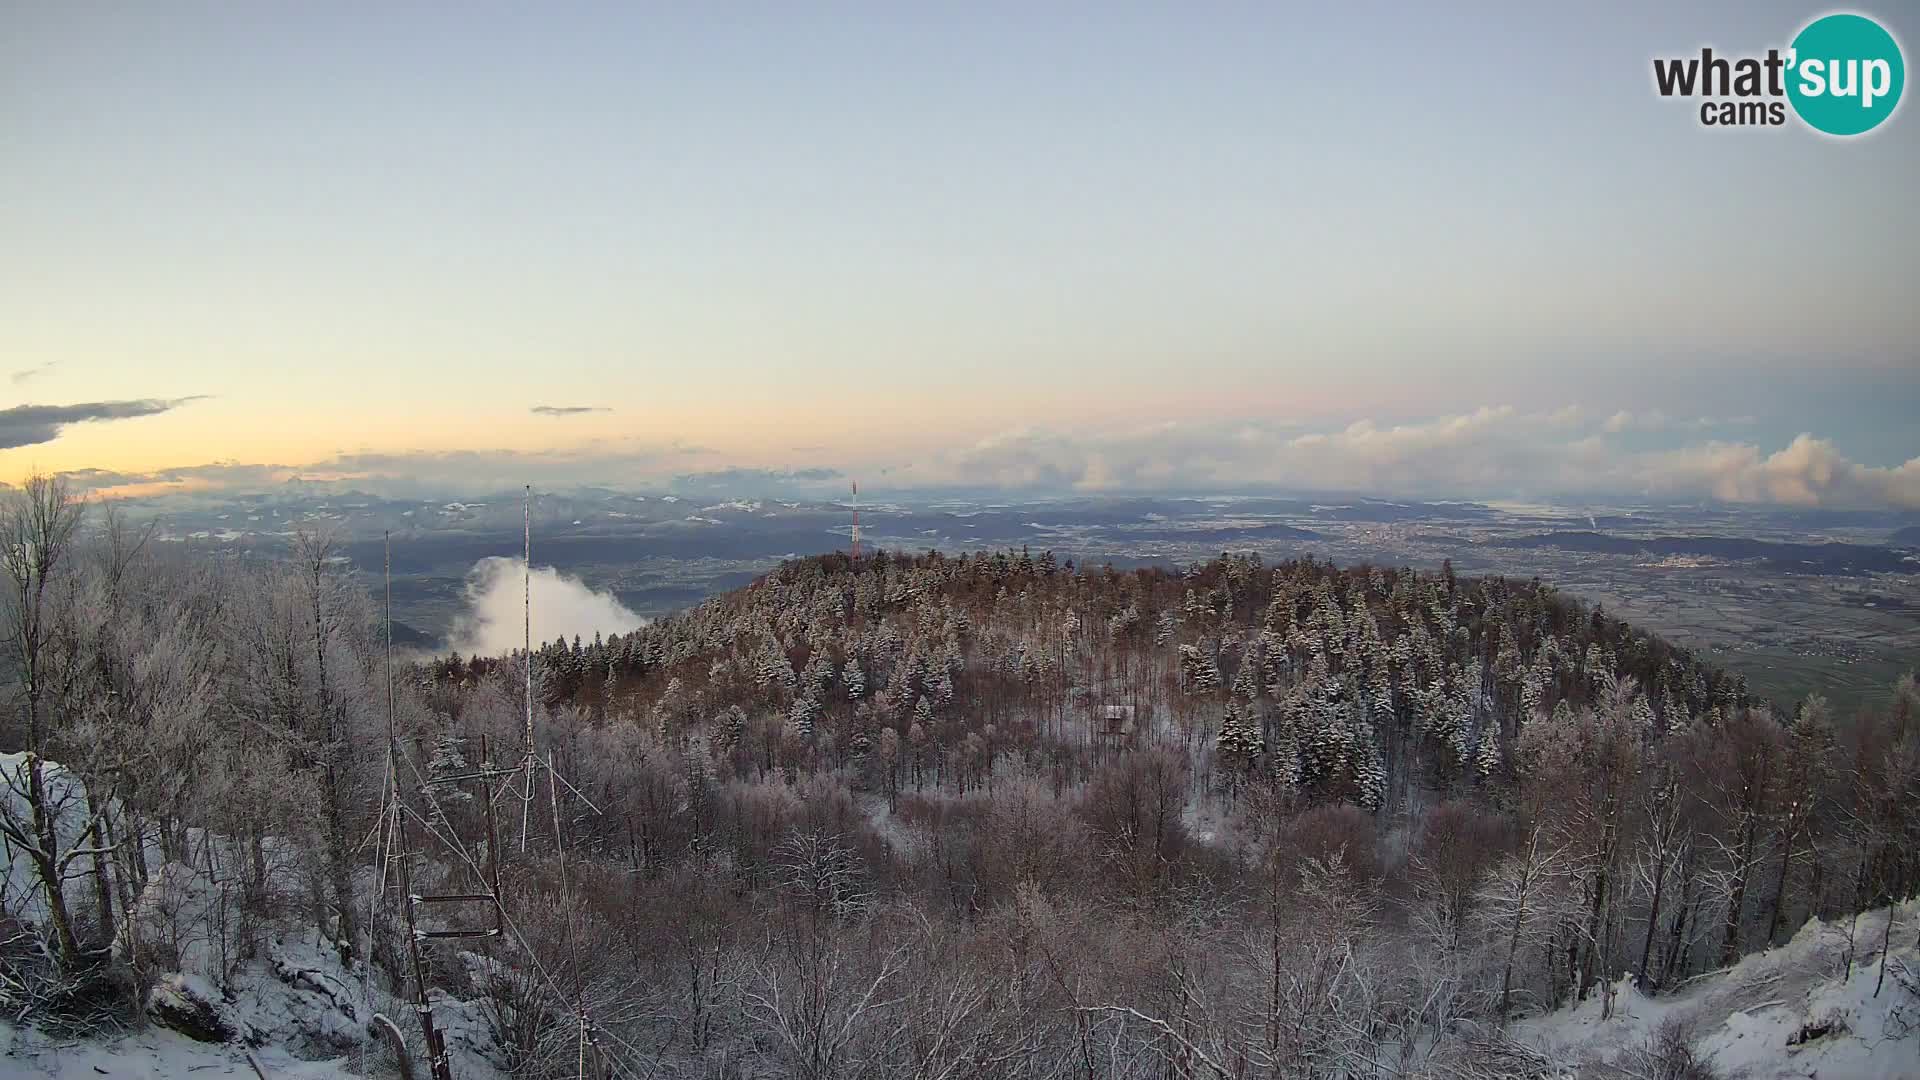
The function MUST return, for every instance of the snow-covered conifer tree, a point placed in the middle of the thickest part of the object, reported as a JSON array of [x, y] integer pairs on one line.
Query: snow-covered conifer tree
[[1240, 742], [1246, 683], [1487, 759], [800, 716], [1202, 675]]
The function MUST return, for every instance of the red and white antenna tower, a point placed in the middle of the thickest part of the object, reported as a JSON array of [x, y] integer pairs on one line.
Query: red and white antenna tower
[[856, 521]]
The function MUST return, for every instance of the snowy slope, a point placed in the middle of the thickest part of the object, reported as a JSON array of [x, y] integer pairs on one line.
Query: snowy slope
[[305, 1014], [149, 1055], [1793, 1011]]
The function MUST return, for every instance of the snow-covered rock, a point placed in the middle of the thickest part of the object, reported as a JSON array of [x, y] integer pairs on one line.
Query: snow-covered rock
[[278, 992], [191, 1006]]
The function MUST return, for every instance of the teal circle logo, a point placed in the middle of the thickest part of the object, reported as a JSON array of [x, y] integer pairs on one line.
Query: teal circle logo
[[1845, 74]]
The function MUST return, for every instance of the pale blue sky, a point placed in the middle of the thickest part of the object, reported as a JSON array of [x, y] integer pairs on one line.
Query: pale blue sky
[[889, 231]]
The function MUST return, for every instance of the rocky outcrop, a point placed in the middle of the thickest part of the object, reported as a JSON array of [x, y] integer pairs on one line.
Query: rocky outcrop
[[191, 1006]]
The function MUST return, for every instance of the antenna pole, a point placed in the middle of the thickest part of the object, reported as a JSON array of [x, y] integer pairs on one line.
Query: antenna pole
[[527, 760], [388, 539], [856, 521], [526, 568]]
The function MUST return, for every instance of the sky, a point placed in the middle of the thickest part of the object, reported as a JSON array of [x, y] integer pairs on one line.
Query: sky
[[1092, 247]]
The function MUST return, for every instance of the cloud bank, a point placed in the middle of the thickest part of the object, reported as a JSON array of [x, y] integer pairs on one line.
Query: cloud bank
[[1808, 472], [1496, 451], [563, 606], [567, 410], [29, 425]]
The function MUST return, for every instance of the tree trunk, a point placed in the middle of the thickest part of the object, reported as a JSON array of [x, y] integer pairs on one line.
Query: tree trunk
[[340, 868], [1816, 882], [102, 876], [1592, 945], [1736, 904], [1886, 943], [1519, 921], [1776, 915], [45, 863], [1653, 921], [136, 852], [257, 886]]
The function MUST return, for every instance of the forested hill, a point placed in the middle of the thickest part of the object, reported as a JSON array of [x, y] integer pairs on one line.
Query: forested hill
[[1351, 684], [903, 816]]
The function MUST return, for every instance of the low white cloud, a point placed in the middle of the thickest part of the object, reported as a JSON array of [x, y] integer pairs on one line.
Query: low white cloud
[[563, 606], [1656, 420], [1808, 472]]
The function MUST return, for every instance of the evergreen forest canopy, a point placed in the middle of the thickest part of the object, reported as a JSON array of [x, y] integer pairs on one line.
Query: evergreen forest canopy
[[928, 816]]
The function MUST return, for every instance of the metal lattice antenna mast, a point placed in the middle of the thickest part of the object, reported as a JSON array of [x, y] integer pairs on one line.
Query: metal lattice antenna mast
[[397, 845], [527, 760], [526, 568], [530, 765], [387, 537], [489, 875], [856, 521]]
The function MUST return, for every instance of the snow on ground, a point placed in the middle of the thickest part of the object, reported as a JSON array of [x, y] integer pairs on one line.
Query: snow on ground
[[306, 1016], [1203, 820], [1792, 1011], [904, 841]]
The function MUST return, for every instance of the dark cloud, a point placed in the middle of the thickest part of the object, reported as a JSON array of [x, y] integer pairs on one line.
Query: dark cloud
[[27, 425], [26, 374], [567, 410]]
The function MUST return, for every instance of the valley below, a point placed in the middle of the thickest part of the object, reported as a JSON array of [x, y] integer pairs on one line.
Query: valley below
[[1796, 601]]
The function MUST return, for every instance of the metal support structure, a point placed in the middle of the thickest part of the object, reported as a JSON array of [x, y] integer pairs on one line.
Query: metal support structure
[[437, 1061], [493, 839], [526, 570], [527, 761], [422, 1007], [492, 870], [592, 1055]]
